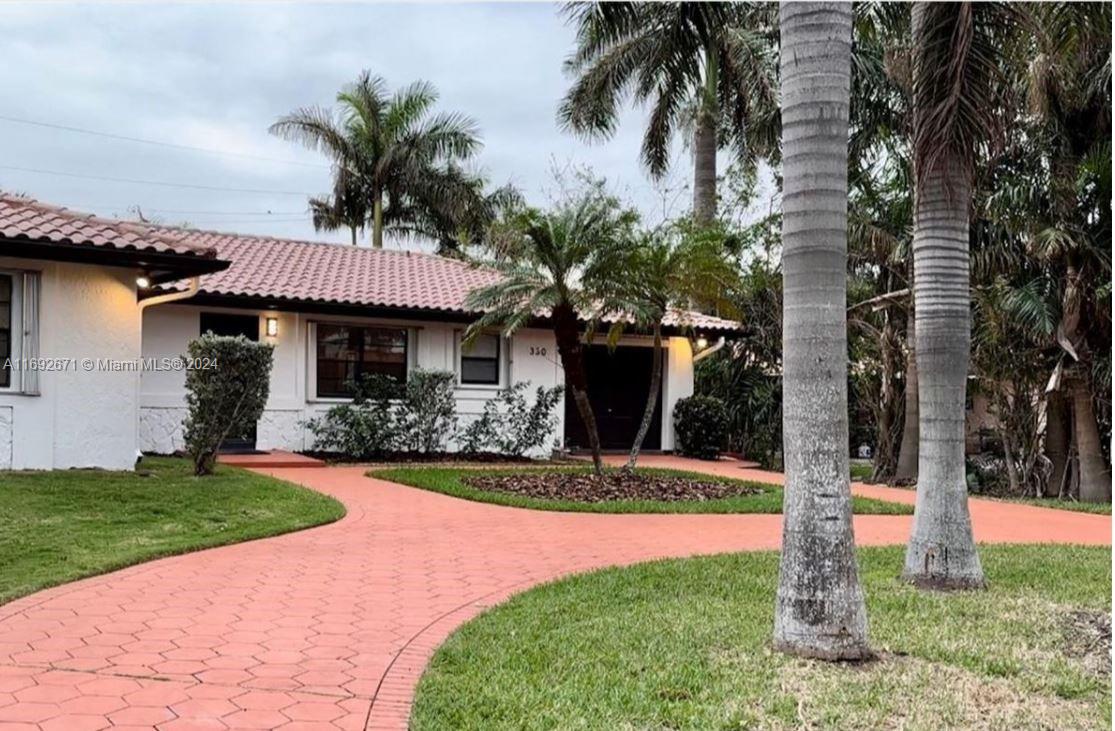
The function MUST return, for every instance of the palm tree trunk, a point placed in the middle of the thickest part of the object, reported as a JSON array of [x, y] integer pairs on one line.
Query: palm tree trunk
[[567, 332], [652, 398], [704, 146], [819, 609], [907, 469], [1057, 433], [377, 220], [352, 230], [1095, 476], [942, 552]]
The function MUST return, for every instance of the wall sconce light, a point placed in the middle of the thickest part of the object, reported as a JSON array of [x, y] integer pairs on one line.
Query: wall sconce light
[[272, 327], [143, 282], [702, 342]]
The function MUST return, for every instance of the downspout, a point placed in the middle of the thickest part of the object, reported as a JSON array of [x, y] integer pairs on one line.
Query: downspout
[[710, 350], [162, 299]]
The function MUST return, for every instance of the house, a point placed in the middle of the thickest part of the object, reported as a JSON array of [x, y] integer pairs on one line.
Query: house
[[86, 288]]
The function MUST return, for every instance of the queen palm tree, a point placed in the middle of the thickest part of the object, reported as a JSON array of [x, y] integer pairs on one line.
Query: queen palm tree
[[391, 147], [957, 51], [711, 64], [820, 609], [542, 262]]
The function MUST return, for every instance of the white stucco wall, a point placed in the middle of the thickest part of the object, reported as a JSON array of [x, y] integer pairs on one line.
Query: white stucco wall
[[530, 356], [81, 418]]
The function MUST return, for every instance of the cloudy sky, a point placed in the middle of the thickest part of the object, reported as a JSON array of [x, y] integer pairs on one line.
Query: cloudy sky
[[215, 76]]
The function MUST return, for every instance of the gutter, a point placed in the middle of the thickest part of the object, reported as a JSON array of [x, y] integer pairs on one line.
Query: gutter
[[710, 350], [162, 299]]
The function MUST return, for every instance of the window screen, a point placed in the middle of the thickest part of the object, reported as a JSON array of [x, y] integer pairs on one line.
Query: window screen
[[480, 361]]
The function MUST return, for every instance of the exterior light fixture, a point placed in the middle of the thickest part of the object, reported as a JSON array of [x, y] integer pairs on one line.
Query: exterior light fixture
[[702, 342], [143, 282], [272, 327]]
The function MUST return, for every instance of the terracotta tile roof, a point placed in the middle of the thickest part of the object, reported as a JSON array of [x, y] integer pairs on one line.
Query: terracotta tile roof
[[26, 219]]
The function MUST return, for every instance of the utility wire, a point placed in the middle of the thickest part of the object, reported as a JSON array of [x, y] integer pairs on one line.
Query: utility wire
[[162, 183], [159, 143]]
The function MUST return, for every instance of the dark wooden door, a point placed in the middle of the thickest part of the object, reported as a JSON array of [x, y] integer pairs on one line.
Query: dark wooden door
[[618, 383], [221, 323]]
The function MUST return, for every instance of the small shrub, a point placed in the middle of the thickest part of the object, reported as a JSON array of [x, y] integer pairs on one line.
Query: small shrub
[[386, 416], [225, 393], [508, 426], [700, 423]]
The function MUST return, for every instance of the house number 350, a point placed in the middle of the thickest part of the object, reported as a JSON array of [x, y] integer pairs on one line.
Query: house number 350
[[536, 350]]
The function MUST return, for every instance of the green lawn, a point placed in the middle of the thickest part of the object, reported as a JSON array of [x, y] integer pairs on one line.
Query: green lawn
[[59, 526], [1052, 502], [447, 480], [685, 644]]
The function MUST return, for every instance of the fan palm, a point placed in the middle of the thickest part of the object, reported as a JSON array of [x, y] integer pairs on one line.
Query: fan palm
[[711, 64], [662, 270], [820, 609], [542, 263], [392, 148]]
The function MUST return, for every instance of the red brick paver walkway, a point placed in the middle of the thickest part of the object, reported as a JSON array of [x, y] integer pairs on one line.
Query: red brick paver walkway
[[331, 627]]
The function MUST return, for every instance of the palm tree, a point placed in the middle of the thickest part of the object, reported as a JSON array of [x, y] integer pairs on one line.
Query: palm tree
[[711, 64], [661, 270], [956, 51], [391, 147], [347, 207], [820, 609], [542, 263]]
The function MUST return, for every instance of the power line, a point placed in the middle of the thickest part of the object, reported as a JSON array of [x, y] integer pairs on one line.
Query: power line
[[159, 143], [162, 183]]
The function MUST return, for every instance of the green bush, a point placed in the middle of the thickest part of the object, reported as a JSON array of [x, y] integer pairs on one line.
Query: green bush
[[386, 417], [227, 384], [508, 426], [701, 424]]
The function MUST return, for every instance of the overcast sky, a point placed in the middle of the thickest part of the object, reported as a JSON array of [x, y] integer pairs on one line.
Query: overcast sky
[[215, 76]]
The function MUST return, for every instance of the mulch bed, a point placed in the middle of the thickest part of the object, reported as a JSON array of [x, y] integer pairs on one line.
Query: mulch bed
[[613, 486]]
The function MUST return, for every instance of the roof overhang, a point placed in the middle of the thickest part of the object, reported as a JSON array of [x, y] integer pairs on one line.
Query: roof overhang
[[159, 267]]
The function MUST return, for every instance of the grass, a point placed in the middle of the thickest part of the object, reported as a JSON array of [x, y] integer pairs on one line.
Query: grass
[[448, 480], [63, 525], [861, 471], [1073, 505], [685, 644]]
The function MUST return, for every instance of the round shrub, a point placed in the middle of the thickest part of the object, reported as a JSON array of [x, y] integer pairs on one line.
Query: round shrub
[[701, 424]]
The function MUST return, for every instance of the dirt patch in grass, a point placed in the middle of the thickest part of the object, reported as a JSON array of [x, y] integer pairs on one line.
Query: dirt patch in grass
[[612, 486], [1088, 637]]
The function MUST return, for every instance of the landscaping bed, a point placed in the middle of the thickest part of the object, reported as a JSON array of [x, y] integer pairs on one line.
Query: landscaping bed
[[577, 490], [685, 644], [67, 524]]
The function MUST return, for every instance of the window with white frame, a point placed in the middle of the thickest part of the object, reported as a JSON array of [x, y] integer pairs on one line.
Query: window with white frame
[[7, 327], [480, 360], [19, 330]]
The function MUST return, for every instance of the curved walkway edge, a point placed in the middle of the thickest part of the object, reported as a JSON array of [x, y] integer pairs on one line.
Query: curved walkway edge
[[330, 628]]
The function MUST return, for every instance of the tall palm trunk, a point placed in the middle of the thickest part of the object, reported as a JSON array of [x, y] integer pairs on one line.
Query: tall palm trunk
[[704, 146], [652, 398], [567, 333], [942, 552], [907, 469], [819, 608], [1095, 477], [377, 220], [1057, 437]]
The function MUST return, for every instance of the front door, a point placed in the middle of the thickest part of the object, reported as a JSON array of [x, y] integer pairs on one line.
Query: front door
[[618, 384], [220, 323]]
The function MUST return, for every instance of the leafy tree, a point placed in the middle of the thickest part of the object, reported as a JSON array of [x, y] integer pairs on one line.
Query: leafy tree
[[395, 161], [543, 256], [509, 426], [708, 65], [819, 610]]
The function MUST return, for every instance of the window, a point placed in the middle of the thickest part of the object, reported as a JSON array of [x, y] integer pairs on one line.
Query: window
[[345, 353], [7, 300], [480, 361]]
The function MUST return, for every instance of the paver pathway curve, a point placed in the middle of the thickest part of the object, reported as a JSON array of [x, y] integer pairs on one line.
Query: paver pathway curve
[[331, 627]]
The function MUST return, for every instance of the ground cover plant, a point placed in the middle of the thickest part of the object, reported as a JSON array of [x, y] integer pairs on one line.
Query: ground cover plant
[[685, 644], [60, 526], [572, 489]]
